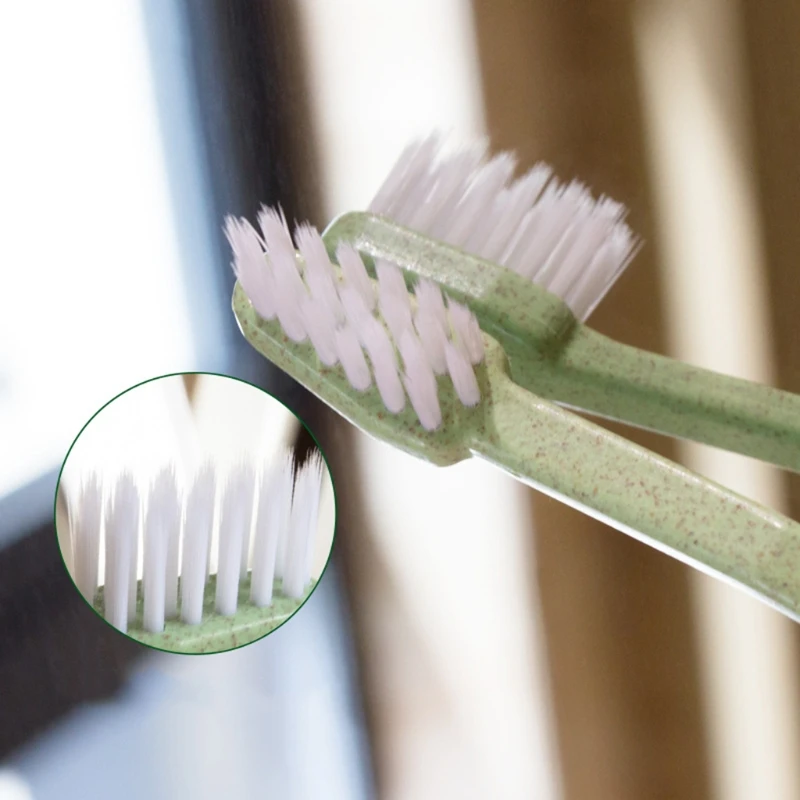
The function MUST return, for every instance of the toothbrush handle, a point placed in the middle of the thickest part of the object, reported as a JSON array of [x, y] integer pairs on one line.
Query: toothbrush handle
[[644, 495], [613, 380]]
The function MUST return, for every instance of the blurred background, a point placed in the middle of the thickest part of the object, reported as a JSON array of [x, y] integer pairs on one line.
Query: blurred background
[[472, 638]]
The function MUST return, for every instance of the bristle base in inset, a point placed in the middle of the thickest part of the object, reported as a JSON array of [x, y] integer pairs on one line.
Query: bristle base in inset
[[216, 633]]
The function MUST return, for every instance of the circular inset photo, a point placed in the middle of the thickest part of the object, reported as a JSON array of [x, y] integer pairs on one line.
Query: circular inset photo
[[195, 513]]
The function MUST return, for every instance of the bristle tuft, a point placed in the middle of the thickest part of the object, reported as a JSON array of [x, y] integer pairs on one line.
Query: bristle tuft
[[318, 272], [420, 381], [355, 274], [384, 365], [237, 506], [196, 543], [467, 331], [351, 356], [272, 517], [161, 543], [554, 234], [86, 536], [251, 266], [285, 489], [462, 375], [303, 521], [122, 531]]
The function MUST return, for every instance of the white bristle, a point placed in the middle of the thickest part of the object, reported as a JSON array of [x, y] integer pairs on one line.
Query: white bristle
[[467, 330], [355, 274], [285, 491], [355, 310], [390, 189], [272, 518], [411, 168], [249, 501], [320, 325], [431, 323], [288, 286], [420, 381], [237, 506], [196, 542], [351, 356], [496, 210], [606, 266], [519, 198], [451, 181], [433, 335], [384, 364], [415, 194], [393, 299], [514, 253], [476, 204], [583, 240], [122, 530], [318, 272], [251, 267], [575, 213], [86, 537], [390, 278], [315, 468], [173, 548], [557, 212], [462, 375], [161, 532], [133, 583], [429, 298], [304, 516]]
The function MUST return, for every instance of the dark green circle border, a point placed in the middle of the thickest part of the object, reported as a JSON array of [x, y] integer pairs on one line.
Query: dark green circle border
[[263, 391]]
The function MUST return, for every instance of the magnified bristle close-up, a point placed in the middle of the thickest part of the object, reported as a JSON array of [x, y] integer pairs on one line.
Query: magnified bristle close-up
[[279, 504]]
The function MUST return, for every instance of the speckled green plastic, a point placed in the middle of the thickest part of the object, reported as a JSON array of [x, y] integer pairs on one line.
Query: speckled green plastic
[[215, 634], [553, 355], [539, 442]]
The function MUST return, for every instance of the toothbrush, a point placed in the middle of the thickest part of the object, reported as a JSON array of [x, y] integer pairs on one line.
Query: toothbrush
[[464, 364], [179, 605]]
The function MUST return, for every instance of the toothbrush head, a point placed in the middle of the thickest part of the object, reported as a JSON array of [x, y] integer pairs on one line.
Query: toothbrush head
[[404, 317]]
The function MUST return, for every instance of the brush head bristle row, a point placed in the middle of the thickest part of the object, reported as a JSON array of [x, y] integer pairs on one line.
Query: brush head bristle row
[[378, 331], [175, 535], [556, 235]]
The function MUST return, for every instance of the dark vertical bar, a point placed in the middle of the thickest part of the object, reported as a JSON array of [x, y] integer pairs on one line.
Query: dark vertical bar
[[772, 34]]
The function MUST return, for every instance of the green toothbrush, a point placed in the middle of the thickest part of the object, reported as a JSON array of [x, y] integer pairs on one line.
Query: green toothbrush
[[480, 365]]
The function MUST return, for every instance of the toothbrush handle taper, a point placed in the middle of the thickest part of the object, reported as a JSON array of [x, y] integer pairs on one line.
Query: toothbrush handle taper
[[640, 493], [613, 380]]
